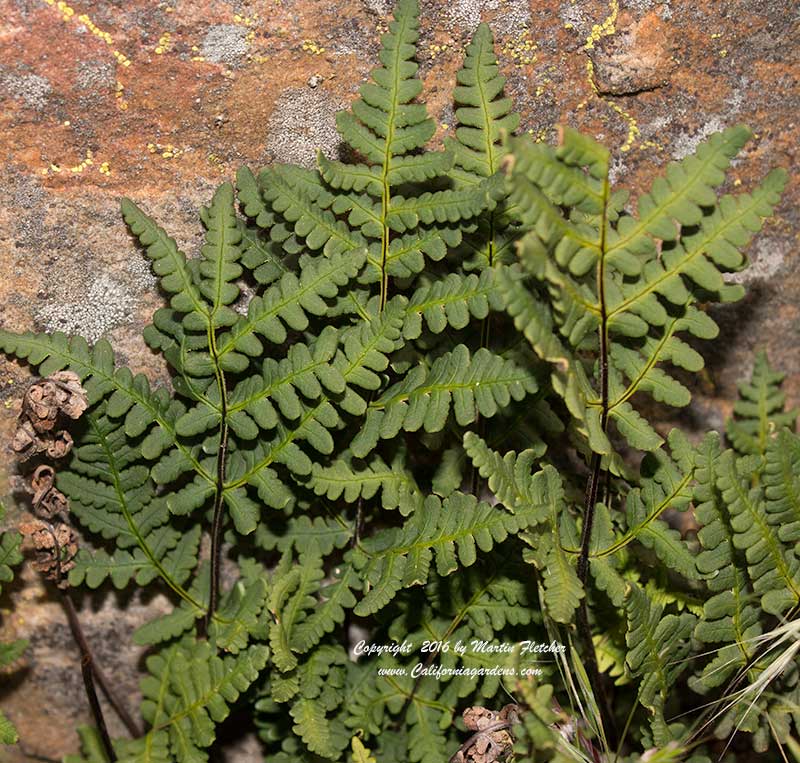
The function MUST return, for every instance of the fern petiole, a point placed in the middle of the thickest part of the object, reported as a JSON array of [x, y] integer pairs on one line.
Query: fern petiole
[[593, 487], [89, 668], [219, 490]]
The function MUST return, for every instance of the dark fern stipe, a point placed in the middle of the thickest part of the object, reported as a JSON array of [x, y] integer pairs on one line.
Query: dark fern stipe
[[492, 308]]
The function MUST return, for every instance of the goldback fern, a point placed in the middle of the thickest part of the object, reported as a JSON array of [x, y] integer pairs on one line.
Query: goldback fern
[[420, 439]]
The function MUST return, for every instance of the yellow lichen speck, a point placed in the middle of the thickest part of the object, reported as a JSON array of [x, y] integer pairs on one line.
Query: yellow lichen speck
[[164, 43], [68, 12], [604, 29], [521, 49], [309, 46]]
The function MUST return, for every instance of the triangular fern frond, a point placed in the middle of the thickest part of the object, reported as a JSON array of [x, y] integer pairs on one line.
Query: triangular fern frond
[[484, 115], [657, 645], [759, 411]]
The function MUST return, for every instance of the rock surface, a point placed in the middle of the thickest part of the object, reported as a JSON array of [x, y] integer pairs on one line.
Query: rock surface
[[161, 101]]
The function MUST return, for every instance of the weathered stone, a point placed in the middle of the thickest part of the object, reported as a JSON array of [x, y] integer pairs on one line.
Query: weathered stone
[[638, 57], [212, 85]]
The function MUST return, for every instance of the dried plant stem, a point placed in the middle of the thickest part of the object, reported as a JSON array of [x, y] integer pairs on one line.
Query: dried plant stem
[[89, 668], [88, 673], [87, 656]]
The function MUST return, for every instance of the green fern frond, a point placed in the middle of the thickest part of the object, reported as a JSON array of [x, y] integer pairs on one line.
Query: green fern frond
[[300, 621], [539, 498], [484, 115], [773, 569], [667, 487], [189, 691], [169, 263], [396, 484], [759, 411], [657, 643], [335, 597], [477, 385], [624, 286], [451, 301], [316, 537], [288, 195], [782, 485], [287, 302], [730, 615], [237, 619], [483, 112], [219, 264], [398, 558]]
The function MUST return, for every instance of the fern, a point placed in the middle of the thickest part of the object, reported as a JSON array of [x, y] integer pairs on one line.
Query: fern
[[351, 206], [10, 558], [425, 420], [759, 412], [612, 288], [484, 115], [657, 645], [188, 691]]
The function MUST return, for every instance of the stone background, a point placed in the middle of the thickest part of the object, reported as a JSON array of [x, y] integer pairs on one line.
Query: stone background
[[161, 101]]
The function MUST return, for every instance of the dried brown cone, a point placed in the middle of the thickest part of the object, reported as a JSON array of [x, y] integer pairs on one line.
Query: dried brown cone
[[492, 742], [56, 546], [48, 501], [28, 442], [59, 393]]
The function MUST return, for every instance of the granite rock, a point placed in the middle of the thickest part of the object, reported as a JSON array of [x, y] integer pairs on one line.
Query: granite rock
[[161, 101]]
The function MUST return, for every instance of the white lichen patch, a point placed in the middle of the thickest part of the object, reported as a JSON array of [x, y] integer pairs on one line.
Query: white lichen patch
[[467, 14], [31, 89], [686, 143], [766, 259], [379, 7], [225, 44], [304, 120], [573, 17], [106, 304]]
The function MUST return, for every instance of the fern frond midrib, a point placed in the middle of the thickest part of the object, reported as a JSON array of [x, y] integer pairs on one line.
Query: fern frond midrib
[[688, 256], [142, 543], [387, 157], [765, 532], [311, 413], [641, 228], [445, 387], [652, 361]]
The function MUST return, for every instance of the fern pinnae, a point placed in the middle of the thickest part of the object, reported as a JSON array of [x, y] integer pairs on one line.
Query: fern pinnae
[[483, 114], [759, 413]]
